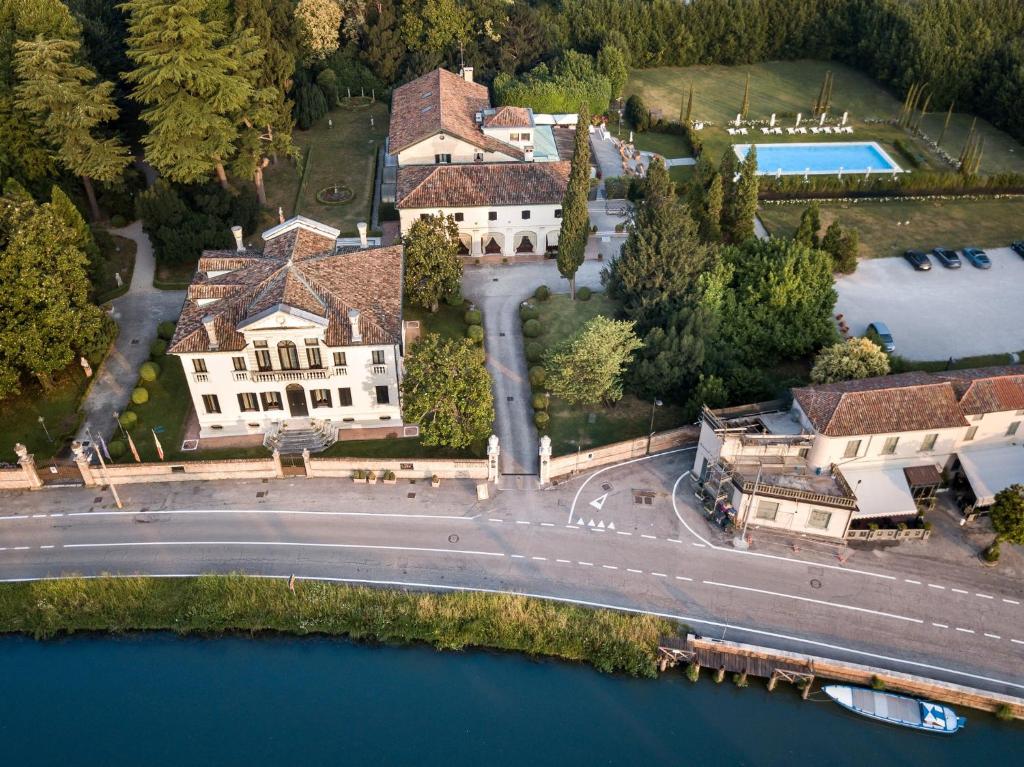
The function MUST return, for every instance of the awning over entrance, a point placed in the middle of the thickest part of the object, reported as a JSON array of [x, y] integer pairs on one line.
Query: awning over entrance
[[992, 469], [881, 492]]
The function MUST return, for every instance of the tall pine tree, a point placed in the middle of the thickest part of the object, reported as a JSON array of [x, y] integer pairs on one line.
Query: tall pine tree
[[194, 83], [740, 204], [70, 107], [572, 238]]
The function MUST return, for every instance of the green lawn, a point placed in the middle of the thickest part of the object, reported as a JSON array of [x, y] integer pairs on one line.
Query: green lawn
[[173, 276], [447, 321], [951, 223], [120, 260], [575, 427], [790, 87], [19, 416], [345, 153], [665, 144], [901, 365]]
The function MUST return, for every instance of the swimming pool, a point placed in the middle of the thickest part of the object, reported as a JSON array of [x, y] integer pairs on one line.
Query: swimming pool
[[820, 159]]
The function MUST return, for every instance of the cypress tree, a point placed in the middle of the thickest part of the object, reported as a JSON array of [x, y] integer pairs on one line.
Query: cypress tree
[[728, 169], [945, 125], [711, 218], [572, 237], [746, 98], [70, 107], [194, 84], [810, 223], [689, 106], [741, 206]]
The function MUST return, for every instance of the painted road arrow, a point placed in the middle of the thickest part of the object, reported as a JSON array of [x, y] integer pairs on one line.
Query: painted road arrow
[[597, 503]]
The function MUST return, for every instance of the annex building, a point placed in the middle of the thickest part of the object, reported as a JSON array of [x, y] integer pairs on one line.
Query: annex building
[[500, 172], [851, 454], [304, 335]]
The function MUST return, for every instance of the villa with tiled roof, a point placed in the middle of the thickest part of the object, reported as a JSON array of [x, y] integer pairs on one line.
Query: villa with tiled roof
[[876, 448], [301, 334], [500, 172]]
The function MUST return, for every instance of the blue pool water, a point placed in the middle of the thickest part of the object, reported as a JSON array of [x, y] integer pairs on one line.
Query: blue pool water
[[825, 158]]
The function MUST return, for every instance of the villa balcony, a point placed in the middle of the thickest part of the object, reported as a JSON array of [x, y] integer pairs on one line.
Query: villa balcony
[[340, 370], [266, 376], [379, 370], [201, 377]]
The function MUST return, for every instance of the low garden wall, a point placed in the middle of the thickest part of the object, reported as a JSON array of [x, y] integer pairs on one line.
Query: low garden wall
[[123, 474], [889, 534], [622, 451], [14, 479], [403, 469]]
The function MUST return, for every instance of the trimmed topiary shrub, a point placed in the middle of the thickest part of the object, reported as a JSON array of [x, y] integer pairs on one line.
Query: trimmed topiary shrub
[[149, 371], [541, 419], [473, 317], [531, 328], [991, 553], [140, 396], [543, 293], [538, 375], [539, 402], [534, 352], [528, 312], [455, 298], [165, 330], [116, 448], [583, 294], [158, 348], [475, 333], [117, 221], [128, 419]]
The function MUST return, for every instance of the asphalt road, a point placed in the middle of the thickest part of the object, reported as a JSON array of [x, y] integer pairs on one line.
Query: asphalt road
[[586, 541]]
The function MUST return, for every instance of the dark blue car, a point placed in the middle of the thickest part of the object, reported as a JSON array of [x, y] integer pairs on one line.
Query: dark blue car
[[1018, 247], [978, 258], [948, 258]]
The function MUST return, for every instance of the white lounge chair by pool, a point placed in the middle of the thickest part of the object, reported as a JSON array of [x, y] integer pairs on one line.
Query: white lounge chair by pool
[[801, 130], [847, 129], [777, 131], [731, 131], [815, 130], [743, 131], [790, 131], [766, 131]]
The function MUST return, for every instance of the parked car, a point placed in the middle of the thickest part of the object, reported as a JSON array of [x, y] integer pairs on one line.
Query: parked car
[[948, 258], [1018, 247], [879, 333], [978, 258], [918, 260]]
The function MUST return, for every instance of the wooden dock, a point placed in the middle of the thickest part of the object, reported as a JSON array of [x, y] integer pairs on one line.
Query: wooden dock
[[721, 657]]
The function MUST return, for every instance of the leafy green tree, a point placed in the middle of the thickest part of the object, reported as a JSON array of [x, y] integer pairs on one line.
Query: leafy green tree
[[437, 27], [782, 300], [637, 113], [328, 83], [447, 391], [559, 91], [72, 218], [588, 368], [383, 48], [1007, 514], [318, 24], [740, 200], [310, 105], [842, 244], [69, 106], [45, 313], [849, 360], [810, 224], [709, 390], [711, 210], [575, 228], [611, 62], [432, 264], [194, 82]]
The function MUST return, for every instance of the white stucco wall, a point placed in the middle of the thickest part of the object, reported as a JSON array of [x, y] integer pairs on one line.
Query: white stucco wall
[[794, 516], [443, 143], [542, 224]]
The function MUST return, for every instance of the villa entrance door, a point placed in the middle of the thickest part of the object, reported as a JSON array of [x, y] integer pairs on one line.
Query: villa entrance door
[[297, 401]]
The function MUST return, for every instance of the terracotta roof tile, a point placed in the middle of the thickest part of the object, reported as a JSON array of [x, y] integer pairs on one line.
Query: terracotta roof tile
[[466, 186], [509, 117], [441, 101], [988, 390]]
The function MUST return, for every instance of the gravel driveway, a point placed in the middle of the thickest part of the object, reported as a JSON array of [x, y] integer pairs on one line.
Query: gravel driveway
[[942, 313]]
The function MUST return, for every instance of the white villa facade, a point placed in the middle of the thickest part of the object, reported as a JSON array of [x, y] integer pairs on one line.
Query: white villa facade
[[501, 173], [848, 453], [300, 335]]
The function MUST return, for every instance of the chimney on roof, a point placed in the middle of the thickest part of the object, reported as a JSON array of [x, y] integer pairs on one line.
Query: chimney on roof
[[237, 231], [467, 74], [353, 320], [363, 242], [210, 323], [528, 153]]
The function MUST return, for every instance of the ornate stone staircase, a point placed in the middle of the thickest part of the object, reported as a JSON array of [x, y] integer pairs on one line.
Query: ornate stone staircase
[[294, 436]]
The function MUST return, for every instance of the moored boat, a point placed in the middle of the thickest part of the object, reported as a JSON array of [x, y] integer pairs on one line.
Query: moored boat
[[896, 709]]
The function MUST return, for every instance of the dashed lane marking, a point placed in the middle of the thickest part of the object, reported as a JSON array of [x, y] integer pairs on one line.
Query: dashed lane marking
[[563, 561], [47, 547], [936, 586], [683, 578], [517, 556], [992, 636], [985, 596], [1017, 641], [547, 524], [651, 537], [699, 545], [540, 559], [496, 520], [659, 575], [22, 548], [910, 580], [609, 567], [1011, 601], [941, 625], [585, 564], [522, 522], [960, 591], [623, 532], [673, 540], [631, 570], [966, 631]]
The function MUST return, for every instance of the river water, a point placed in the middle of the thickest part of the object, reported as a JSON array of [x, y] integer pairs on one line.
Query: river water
[[159, 700]]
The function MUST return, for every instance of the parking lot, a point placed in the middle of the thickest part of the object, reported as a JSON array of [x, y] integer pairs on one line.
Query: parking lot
[[941, 313]]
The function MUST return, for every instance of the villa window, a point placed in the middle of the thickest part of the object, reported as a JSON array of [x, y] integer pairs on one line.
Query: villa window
[[852, 448], [211, 403], [383, 395], [248, 402], [263, 360], [199, 365], [339, 359], [513, 136], [478, 157], [1012, 429], [271, 400], [928, 443], [889, 448], [238, 362], [320, 397], [526, 215], [767, 510], [442, 159], [819, 519], [558, 212], [492, 215], [970, 433], [378, 356], [460, 217], [345, 397], [524, 137], [288, 355], [313, 358]]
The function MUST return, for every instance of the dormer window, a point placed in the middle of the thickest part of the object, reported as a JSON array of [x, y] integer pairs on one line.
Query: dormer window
[[478, 157], [442, 159]]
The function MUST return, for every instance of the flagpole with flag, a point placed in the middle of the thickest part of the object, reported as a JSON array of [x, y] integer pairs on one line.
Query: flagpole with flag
[[103, 446], [159, 447], [131, 446]]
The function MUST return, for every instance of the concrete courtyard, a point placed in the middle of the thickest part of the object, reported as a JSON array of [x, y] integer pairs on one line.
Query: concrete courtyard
[[942, 313]]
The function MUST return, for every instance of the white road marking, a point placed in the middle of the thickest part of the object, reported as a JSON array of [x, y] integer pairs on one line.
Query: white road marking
[[687, 619], [517, 556], [522, 522], [598, 502], [936, 586], [993, 636], [57, 514], [571, 527], [683, 578], [673, 540], [966, 631], [165, 512], [50, 546], [540, 559], [960, 591], [631, 570], [699, 545], [909, 580], [652, 537], [985, 596], [941, 625], [623, 532], [11, 517], [21, 548], [564, 561], [659, 575], [130, 544], [1011, 601], [585, 564], [609, 567], [815, 601], [3, 548], [496, 520], [547, 524], [38, 516]]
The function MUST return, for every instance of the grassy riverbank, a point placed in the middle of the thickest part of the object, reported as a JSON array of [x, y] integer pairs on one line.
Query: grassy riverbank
[[213, 604]]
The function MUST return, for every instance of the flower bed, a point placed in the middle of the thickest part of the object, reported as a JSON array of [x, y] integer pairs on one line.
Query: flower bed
[[336, 194]]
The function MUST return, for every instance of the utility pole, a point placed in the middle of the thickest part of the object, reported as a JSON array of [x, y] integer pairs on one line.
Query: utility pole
[[103, 469], [650, 431], [740, 541]]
